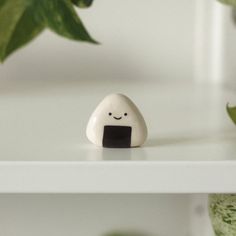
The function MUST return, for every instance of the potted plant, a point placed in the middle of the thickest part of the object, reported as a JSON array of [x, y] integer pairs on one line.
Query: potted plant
[[23, 20]]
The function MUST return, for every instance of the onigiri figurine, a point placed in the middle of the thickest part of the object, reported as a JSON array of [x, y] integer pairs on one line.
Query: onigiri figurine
[[117, 123]]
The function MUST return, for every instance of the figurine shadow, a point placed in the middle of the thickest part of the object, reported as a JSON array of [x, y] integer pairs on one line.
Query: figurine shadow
[[214, 137]]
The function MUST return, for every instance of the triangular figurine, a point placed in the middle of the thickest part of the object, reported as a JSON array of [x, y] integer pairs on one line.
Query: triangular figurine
[[117, 123]]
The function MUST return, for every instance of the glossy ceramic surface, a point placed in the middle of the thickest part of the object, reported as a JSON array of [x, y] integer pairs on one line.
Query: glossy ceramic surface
[[117, 123]]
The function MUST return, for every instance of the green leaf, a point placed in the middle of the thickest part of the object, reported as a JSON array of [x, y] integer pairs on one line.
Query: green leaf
[[18, 25], [2, 2], [232, 113], [83, 3], [128, 233], [22, 20], [61, 17], [229, 2]]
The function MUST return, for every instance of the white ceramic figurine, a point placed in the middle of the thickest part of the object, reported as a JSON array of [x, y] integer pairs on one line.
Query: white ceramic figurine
[[117, 123]]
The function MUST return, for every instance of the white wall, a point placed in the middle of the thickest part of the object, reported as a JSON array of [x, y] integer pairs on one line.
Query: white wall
[[139, 40], [215, 40], [228, 53]]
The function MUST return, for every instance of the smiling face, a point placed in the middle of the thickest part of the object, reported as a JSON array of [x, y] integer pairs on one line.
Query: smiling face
[[117, 118], [116, 110]]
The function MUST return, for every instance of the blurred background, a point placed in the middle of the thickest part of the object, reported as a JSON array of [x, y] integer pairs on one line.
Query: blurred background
[[184, 40], [156, 40], [104, 214], [139, 41]]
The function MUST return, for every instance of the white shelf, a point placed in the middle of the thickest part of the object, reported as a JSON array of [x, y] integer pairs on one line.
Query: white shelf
[[118, 177], [191, 146]]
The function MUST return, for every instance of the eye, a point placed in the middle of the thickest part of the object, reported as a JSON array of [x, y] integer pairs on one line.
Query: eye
[[109, 113], [125, 114]]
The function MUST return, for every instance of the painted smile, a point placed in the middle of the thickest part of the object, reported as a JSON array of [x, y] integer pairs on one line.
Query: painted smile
[[117, 118]]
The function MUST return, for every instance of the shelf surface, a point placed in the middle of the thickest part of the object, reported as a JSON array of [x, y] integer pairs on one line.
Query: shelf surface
[[191, 145]]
